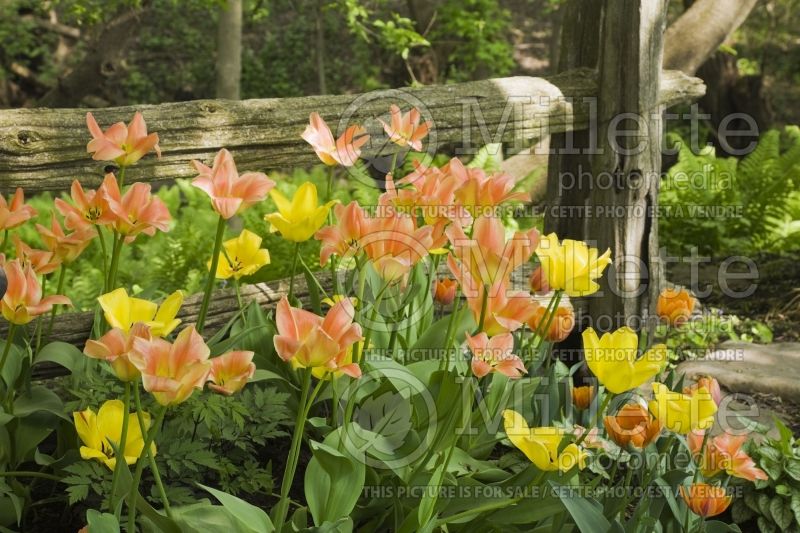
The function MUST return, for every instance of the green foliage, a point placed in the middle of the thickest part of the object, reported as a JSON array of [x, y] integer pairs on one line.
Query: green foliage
[[723, 204], [773, 504], [472, 35]]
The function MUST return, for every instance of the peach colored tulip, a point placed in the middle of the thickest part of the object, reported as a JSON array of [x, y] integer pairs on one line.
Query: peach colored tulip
[[444, 290], [311, 341], [115, 348], [343, 151], [487, 255], [479, 191], [506, 310], [137, 211], [632, 425], [405, 129], [582, 396], [394, 244], [230, 192], [171, 372], [41, 261], [538, 281], [710, 384], [706, 500], [341, 239], [494, 355], [724, 453], [431, 195], [23, 300], [15, 213], [122, 144], [65, 247], [675, 306], [561, 325], [88, 208], [230, 372]]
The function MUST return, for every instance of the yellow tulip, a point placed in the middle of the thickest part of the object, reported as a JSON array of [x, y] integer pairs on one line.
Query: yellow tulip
[[98, 431], [612, 358], [297, 220], [243, 256], [540, 445], [571, 266], [681, 413], [122, 311]]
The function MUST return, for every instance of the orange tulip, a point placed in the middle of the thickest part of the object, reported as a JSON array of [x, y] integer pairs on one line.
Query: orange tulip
[[310, 341], [122, 144], [487, 255], [343, 151], [405, 129], [23, 298], [494, 355], [506, 310], [444, 290], [230, 192], [710, 384], [137, 211], [706, 500], [65, 247], [675, 306], [632, 425], [724, 453], [478, 191], [15, 213], [41, 261], [230, 372], [582, 396], [394, 244], [431, 196], [171, 371], [561, 325], [115, 348], [88, 208], [342, 238]]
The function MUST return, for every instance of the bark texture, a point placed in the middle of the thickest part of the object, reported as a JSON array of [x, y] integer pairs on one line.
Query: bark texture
[[229, 50], [700, 30], [45, 149]]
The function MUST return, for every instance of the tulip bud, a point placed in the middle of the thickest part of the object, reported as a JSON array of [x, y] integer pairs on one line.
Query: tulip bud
[[710, 384], [561, 325], [445, 290], [675, 306], [632, 425], [706, 500], [582, 396], [539, 281]]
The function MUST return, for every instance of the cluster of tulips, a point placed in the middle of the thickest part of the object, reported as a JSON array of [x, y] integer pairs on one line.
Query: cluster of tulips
[[430, 217]]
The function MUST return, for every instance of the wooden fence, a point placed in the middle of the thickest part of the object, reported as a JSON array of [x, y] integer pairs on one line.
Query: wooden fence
[[45, 149]]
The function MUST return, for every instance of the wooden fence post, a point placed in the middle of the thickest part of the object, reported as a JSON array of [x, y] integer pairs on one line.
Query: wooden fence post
[[609, 195]]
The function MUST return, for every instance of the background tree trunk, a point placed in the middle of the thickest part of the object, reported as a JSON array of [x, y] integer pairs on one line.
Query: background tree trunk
[[229, 51], [700, 31]]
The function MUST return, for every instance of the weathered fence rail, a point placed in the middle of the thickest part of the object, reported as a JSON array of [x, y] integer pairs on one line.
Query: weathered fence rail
[[45, 149]]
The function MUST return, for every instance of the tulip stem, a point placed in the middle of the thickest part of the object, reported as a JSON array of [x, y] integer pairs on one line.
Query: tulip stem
[[152, 460], [54, 310], [294, 452], [121, 178], [5, 242], [238, 289], [7, 349], [104, 253], [137, 478], [484, 305], [596, 418], [394, 162], [24, 473], [116, 251], [123, 438], [375, 306], [294, 270], [212, 275], [547, 320], [448, 343]]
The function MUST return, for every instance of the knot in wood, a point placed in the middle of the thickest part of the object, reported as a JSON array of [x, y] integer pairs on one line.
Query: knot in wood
[[26, 137]]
